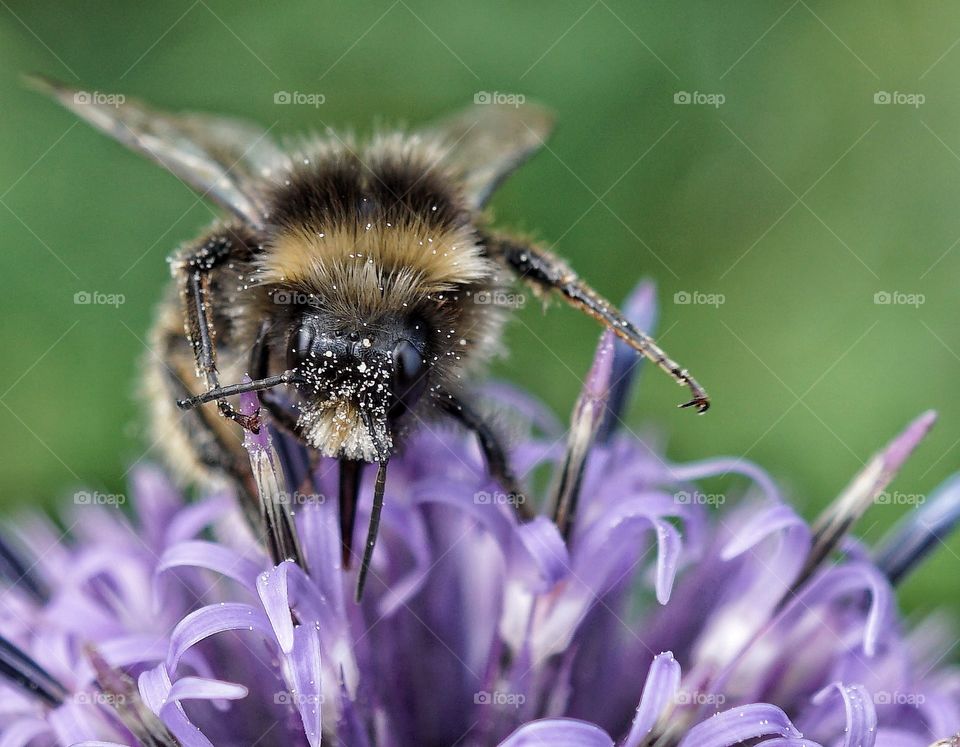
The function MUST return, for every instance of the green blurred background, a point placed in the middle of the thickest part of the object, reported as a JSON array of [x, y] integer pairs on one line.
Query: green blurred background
[[798, 199]]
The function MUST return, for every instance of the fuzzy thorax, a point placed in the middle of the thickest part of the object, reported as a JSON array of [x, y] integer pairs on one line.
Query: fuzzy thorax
[[367, 255]]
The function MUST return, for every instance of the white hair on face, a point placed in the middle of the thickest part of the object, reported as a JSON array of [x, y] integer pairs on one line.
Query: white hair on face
[[337, 429]]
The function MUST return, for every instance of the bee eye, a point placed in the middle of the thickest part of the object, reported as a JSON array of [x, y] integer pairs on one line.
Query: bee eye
[[409, 375], [301, 347]]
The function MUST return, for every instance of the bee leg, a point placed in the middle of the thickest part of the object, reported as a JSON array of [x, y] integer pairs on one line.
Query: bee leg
[[351, 472], [194, 269], [282, 411], [493, 451], [544, 271]]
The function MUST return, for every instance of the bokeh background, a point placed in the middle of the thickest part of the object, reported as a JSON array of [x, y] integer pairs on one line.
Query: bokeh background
[[816, 165]]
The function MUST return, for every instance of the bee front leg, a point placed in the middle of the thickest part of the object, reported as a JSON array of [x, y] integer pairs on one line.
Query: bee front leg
[[545, 271], [194, 273], [494, 453]]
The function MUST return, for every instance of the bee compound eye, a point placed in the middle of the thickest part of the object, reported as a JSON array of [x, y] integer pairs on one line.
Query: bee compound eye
[[409, 374], [302, 346]]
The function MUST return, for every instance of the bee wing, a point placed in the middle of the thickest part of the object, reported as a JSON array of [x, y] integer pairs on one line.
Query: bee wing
[[487, 142], [221, 158]]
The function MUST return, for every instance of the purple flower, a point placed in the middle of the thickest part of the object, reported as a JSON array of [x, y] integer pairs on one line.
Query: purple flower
[[640, 617]]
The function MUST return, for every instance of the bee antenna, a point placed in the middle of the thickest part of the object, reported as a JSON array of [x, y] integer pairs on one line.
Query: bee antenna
[[373, 529], [287, 377]]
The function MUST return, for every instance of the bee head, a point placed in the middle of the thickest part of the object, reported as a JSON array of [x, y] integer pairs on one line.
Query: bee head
[[357, 380]]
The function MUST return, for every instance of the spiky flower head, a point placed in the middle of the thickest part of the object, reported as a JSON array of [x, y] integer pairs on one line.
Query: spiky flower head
[[636, 610]]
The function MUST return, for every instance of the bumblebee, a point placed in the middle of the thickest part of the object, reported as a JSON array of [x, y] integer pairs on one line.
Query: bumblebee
[[349, 280]]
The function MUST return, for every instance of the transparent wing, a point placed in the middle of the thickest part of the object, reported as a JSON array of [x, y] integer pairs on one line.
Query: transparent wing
[[224, 159], [487, 142]]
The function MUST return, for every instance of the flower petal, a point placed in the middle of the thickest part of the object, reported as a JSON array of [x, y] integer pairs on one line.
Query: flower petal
[[532, 555], [549, 561], [408, 528], [861, 716], [607, 547], [213, 557], [189, 522], [156, 504], [641, 309], [304, 661], [287, 588], [513, 400], [663, 681], [558, 732], [838, 581], [725, 465], [606, 552], [123, 652], [208, 621], [350, 727], [23, 731], [780, 520], [73, 722], [588, 414], [729, 727], [155, 687], [202, 688], [274, 595]]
